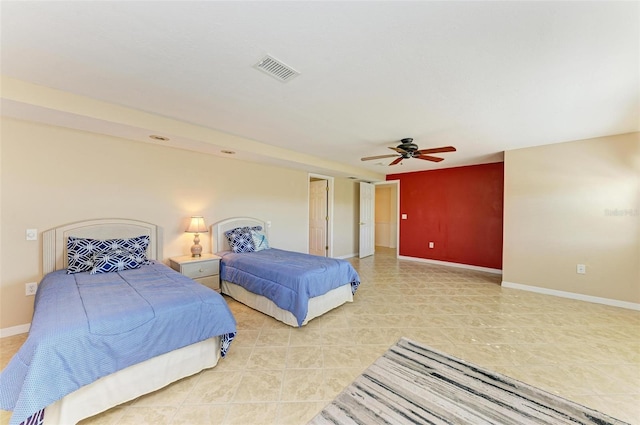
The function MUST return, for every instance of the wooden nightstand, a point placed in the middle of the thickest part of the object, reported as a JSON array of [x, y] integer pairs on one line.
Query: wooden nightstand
[[204, 270]]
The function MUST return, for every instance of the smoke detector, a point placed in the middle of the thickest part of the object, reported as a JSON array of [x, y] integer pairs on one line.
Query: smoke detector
[[275, 68]]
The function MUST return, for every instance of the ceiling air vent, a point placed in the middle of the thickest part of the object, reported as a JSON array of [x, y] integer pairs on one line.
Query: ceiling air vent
[[276, 69]]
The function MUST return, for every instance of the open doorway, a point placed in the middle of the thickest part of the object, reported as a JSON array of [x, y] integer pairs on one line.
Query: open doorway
[[387, 204], [379, 214]]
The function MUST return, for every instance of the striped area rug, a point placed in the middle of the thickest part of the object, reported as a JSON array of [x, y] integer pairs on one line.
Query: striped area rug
[[414, 384]]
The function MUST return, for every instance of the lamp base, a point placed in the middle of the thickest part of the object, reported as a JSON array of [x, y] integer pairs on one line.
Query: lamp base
[[196, 248]]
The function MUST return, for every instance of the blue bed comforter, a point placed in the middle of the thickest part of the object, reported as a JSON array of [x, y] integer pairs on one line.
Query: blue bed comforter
[[287, 278], [87, 326]]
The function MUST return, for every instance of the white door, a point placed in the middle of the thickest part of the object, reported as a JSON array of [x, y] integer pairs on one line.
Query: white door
[[367, 219], [318, 192]]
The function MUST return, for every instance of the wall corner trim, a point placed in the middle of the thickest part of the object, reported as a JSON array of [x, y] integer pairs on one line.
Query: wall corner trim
[[572, 295], [15, 330], [449, 264]]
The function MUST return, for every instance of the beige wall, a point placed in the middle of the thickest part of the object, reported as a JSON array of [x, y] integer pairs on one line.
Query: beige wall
[[52, 176], [575, 203]]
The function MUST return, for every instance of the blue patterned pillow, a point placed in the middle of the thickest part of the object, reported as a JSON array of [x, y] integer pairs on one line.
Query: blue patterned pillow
[[240, 239], [260, 241], [80, 251], [115, 261]]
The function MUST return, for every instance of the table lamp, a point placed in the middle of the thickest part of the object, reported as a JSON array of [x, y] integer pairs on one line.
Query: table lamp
[[196, 226]]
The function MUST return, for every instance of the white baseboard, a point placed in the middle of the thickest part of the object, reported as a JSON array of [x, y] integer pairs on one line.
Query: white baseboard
[[15, 330], [572, 295], [344, 257], [449, 264]]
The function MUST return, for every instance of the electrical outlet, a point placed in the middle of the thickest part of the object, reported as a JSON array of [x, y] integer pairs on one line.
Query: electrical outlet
[[30, 288], [431, 245], [581, 269]]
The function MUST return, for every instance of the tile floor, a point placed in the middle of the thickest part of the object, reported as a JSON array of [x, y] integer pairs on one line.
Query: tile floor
[[274, 374]]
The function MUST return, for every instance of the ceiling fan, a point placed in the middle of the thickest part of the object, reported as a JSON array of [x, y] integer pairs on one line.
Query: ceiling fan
[[408, 149]]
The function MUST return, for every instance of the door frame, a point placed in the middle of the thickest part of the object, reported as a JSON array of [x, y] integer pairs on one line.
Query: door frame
[[395, 183], [330, 185], [366, 223]]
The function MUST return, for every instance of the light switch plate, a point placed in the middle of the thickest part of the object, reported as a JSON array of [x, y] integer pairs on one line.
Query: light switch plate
[[30, 288]]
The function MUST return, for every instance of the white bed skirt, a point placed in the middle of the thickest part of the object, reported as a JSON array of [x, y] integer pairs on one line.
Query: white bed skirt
[[132, 382], [317, 305]]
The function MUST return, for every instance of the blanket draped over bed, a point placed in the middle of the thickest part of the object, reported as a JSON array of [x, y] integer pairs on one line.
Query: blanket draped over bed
[[287, 278], [88, 326]]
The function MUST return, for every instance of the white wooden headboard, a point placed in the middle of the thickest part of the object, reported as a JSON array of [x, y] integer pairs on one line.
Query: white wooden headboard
[[54, 241], [219, 241]]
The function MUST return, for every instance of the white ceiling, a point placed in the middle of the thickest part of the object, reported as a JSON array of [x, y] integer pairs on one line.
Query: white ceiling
[[483, 76]]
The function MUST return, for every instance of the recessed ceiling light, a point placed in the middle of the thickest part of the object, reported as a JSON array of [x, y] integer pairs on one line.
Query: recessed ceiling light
[[160, 138], [228, 152]]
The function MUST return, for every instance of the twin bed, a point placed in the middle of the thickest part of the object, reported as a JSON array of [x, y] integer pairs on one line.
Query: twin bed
[[288, 286], [99, 340]]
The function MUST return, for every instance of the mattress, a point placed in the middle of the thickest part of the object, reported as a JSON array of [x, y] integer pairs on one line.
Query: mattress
[[317, 305], [133, 381]]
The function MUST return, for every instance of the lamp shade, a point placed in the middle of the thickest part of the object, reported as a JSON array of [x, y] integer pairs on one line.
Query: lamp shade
[[197, 225]]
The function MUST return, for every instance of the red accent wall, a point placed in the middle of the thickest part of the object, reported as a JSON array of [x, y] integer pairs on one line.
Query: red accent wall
[[458, 209]]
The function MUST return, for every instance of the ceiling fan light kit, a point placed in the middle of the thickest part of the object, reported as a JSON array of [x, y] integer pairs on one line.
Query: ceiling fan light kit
[[407, 149]]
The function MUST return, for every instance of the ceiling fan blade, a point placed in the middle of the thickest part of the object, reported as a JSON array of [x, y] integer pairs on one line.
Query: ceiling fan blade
[[399, 150], [429, 158], [396, 161], [437, 150], [369, 158]]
